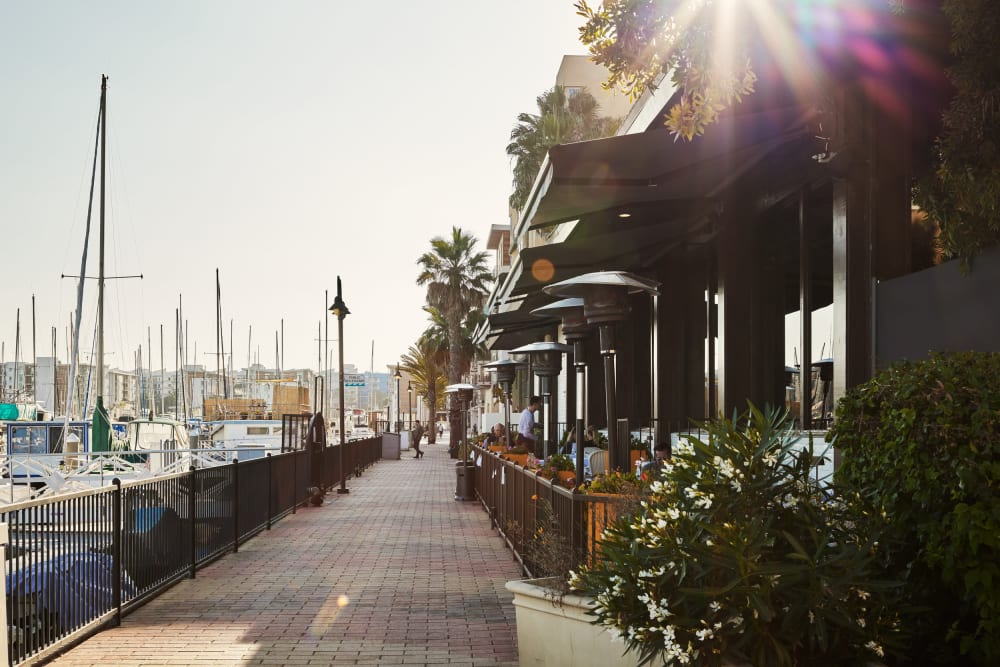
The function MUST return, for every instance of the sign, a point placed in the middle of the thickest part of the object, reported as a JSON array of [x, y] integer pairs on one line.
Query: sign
[[354, 380]]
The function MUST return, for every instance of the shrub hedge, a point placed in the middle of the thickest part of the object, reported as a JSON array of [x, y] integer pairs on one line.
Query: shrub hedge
[[921, 444]]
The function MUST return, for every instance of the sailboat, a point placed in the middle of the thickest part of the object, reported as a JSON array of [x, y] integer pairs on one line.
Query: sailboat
[[166, 436]]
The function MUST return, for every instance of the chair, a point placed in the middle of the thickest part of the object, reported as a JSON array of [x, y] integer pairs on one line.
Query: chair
[[599, 462]]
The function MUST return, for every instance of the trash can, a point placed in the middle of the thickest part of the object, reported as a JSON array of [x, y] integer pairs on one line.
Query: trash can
[[465, 481]]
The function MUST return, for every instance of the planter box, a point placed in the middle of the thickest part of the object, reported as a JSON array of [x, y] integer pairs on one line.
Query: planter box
[[558, 631], [517, 459]]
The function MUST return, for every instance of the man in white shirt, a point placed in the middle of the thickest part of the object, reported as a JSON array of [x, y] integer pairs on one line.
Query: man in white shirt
[[526, 426]]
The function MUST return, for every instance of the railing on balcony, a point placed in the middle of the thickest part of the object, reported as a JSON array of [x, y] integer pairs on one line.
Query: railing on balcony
[[77, 561]]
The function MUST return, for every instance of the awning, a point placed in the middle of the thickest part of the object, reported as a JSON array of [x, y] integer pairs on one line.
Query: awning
[[610, 245], [513, 328], [652, 168]]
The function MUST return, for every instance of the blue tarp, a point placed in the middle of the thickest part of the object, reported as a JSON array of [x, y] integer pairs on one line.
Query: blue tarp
[[77, 586]]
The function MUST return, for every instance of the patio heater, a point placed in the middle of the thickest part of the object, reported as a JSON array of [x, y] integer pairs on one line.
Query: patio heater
[[464, 471], [505, 369], [605, 302], [546, 363], [399, 420], [574, 326]]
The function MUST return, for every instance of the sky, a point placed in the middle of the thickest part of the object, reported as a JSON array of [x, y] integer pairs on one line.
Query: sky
[[282, 143]]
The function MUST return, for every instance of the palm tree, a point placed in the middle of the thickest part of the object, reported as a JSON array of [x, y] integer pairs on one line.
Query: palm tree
[[456, 278], [436, 334], [560, 119], [425, 362]]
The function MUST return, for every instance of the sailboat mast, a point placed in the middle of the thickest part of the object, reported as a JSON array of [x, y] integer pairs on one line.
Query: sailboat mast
[[100, 264]]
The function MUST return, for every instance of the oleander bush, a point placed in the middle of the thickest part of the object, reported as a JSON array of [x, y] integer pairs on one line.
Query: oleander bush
[[739, 555], [921, 445]]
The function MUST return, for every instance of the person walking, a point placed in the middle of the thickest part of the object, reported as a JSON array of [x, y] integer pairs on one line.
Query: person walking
[[526, 425], [418, 433]]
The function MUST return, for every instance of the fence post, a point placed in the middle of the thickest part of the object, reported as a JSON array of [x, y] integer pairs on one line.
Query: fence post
[[191, 518], [270, 492], [116, 552], [4, 544], [295, 481], [236, 503]]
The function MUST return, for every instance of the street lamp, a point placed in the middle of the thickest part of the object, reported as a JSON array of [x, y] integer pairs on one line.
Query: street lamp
[[340, 311], [546, 362], [399, 422], [409, 401], [605, 302]]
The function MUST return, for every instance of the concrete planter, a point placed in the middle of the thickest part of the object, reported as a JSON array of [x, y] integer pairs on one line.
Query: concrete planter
[[554, 630]]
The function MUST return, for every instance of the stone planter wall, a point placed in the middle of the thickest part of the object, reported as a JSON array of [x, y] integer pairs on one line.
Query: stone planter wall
[[553, 631]]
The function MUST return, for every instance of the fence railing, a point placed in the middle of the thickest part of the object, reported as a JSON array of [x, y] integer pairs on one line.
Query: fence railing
[[78, 561], [514, 498]]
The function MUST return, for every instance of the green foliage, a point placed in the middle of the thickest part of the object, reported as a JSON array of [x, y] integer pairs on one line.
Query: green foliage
[[737, 556], [456, 277], [963, 195], [623, 483], [638, 40], [921, 446], [554, 464], [561, 119]]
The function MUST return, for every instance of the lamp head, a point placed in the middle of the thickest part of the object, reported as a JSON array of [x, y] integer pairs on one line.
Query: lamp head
[[604, 293], [339, 308]]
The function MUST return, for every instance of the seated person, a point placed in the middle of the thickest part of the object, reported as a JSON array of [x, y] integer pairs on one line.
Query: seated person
[[497, 435], [661, 457]]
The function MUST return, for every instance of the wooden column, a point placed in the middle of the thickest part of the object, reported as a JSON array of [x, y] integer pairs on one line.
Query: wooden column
[[871, 229]]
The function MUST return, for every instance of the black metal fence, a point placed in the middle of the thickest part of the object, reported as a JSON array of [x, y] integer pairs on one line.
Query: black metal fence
[[78, 561], [515, 497]]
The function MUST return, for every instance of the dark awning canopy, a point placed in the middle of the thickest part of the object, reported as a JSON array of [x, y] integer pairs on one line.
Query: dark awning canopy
[[513, 328], [653, 168]]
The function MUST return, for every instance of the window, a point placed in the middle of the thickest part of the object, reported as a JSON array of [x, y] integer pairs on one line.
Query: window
[[257, 430]]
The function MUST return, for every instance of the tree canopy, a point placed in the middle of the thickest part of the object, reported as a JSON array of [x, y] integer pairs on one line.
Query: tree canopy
[[457, 279], [705, 48]]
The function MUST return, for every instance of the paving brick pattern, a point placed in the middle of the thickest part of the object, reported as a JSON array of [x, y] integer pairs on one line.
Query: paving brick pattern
[[395, 573]]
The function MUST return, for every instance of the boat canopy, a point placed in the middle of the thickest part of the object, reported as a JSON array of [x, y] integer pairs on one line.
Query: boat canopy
[[18, 411]]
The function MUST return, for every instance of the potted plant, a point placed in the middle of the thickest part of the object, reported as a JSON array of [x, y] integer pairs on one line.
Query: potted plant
[[518, 455], [739, 556], [559, 468], [620, 493]]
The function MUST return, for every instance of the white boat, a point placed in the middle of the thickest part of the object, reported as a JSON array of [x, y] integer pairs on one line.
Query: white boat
[[246, 438]]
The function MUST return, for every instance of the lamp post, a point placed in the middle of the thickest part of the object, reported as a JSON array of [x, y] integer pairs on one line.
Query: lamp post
[[340, 311], [505, 369], [546, 363], [574, 326], [605, 302], [409, 402], [399, 422]]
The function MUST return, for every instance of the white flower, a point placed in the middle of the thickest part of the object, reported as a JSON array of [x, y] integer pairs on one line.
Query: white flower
[[875, 648], [714, 606], [705, 634]]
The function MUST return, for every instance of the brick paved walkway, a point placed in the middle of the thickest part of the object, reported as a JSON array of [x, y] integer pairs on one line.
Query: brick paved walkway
[[396, 572]]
